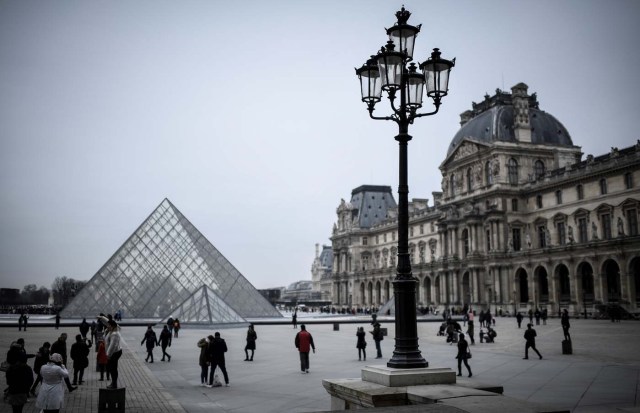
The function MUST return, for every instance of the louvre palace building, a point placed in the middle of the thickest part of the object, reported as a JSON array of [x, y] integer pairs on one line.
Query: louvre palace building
[[522, 222]]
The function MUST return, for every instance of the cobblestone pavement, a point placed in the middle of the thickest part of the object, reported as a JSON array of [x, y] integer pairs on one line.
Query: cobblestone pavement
[[144, 393], [603, 374]]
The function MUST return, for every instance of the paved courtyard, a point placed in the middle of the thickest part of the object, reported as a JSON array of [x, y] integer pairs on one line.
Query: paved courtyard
[[602, 375]]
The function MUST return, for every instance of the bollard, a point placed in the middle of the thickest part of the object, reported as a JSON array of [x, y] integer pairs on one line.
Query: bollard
[[111, 400]]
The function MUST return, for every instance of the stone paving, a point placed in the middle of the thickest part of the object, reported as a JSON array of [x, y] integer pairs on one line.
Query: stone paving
[[603, 374]]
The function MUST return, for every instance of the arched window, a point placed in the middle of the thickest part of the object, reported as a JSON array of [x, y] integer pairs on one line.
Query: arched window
[[512, 168], [469, 182], [538, 169], [488, 177]]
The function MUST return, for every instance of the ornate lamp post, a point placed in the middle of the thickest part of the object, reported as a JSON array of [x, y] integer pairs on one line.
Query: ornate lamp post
[[393, 72]]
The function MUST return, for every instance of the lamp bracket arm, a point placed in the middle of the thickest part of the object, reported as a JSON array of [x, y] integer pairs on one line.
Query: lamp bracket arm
[[419, 115], [382, 117]]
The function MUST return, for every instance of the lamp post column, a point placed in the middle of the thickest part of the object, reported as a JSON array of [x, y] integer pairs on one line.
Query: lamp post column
[[406, 353]]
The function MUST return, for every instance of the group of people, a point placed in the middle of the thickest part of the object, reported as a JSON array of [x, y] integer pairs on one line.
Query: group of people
[[50, 367]]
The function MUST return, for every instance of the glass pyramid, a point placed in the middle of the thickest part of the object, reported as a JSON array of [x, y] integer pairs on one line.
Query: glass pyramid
[[205, 307], [159, 267]]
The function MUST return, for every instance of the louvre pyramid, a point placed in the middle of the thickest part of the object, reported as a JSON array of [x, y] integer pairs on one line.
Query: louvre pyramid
[[159, 267], [205, 307]]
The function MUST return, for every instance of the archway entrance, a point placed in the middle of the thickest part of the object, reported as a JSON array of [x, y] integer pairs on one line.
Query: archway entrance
[[585, 272], [427, 290], [522, 281], [634, 273], [543, 285], [611, 272], [564, 284], [466, 289]]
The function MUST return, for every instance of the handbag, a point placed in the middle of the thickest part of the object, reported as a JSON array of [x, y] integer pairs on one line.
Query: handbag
[[468, 354], [4, 366]]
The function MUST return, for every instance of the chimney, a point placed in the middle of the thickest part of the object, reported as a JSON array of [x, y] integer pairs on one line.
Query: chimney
[[521, 124]]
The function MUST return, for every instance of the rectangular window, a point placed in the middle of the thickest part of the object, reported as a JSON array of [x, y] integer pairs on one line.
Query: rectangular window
[[517, 242], [514, 204], [542, 239], [393, 236], [421, 229], [539, 201], [558, 197], [365, 262], [561, 233], [421, 253], [385, 237], [628, 180], [632, 221], [411, 231], [365, 241], [606, 226], [488, 240], [377, 239], [582, 230]]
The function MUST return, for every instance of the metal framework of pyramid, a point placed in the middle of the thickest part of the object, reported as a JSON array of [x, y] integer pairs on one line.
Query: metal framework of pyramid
[[205, 307], [162, 264]]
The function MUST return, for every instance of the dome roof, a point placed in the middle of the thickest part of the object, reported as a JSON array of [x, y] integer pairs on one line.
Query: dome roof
[[493, 121]]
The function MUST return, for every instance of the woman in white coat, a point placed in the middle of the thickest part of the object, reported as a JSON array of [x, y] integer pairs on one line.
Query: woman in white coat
[[51, 394]]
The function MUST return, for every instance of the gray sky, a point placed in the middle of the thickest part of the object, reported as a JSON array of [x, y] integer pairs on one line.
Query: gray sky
[[247, 115]]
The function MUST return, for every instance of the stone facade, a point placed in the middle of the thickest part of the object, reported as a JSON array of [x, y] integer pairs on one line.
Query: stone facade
[[522, 222]]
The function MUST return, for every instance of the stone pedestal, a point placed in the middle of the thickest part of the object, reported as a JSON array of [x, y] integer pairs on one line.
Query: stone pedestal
[[391, 377]]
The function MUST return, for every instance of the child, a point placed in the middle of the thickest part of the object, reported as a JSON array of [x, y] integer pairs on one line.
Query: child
[[102, 359]]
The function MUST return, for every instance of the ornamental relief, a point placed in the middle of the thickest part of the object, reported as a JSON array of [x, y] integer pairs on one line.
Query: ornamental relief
[[465, 150]]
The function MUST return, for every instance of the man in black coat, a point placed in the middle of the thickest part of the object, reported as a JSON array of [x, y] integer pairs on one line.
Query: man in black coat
[[217, 348], [530, 337]]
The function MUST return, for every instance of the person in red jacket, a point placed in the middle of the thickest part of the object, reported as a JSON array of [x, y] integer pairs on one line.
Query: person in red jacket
[[304, 342]]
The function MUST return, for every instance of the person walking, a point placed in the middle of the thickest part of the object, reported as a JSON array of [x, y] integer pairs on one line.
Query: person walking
[[42, 357], [470, 332], [84, 328], [545, 315], [519, 318], [102, 360], [93, 327], [377, 338], [165, 341], [60, 347], [537, 314], [304, 343], [170, 321], [463, 355], [51, 395], [57, 320], [361, 344], [216, 350], [80, 355], [530, 337], [203, 360], [19, 379], [20, 322], [114, 351], [294, 319], [251, 343], [152, 341], [564, 321], [176, 327]]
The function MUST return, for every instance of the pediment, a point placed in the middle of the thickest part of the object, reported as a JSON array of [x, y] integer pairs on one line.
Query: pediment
[[466, 148]]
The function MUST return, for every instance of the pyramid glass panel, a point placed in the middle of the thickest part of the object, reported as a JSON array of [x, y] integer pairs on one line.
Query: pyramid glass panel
[[164, 263], [204, 306]]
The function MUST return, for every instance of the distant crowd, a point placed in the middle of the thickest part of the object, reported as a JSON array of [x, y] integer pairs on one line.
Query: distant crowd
[[30, 309]]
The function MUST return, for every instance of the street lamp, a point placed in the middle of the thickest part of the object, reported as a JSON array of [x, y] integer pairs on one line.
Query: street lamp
[[392, 71]]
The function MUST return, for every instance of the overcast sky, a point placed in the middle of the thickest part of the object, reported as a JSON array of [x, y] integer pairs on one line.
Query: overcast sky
[[247, 115]]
